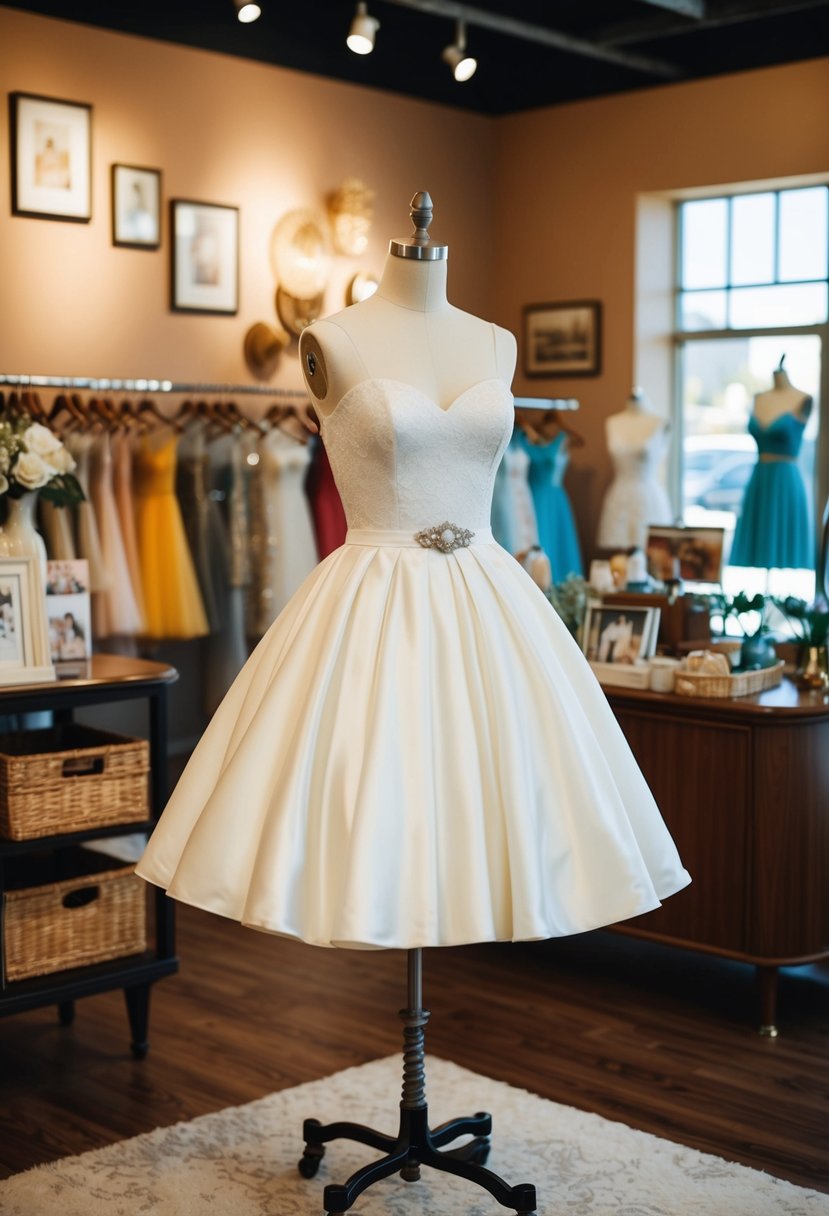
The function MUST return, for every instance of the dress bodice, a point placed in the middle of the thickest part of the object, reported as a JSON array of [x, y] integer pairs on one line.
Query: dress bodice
[[548, 461], [782, 437], [638, 460], [401, 461], [155, 467]]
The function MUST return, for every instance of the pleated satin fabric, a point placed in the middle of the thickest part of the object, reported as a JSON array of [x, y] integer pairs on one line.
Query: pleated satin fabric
[[416, 753]]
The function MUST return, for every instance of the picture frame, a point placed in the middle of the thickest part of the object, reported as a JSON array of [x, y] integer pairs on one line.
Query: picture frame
[[619, 633], [136, 206], [692, 555], [204, 244], [24, 639], [51, 157], [562, 339], [68, 611]]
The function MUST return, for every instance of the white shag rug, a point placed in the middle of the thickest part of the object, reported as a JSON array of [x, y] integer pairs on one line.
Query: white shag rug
[[242, 1161]]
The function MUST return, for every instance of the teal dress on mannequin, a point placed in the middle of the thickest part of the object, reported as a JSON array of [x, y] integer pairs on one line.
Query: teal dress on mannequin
[[773, 530], [556, 526]]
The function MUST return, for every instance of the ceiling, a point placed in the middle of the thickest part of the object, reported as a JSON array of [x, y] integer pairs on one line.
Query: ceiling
[[529, 52]]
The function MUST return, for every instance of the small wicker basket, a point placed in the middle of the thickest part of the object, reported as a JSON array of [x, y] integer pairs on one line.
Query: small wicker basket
[[740, 684], [73, 922], [70, 778]]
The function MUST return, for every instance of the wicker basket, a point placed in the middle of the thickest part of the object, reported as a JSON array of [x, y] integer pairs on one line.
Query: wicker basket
[[70, 778], [741, 684], [76, 921]]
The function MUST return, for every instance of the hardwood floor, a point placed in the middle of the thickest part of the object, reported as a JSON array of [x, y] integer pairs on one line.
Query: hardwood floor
[[660, 1039]]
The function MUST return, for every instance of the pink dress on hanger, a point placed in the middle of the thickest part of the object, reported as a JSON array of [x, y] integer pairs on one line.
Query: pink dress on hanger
[[115, 611]]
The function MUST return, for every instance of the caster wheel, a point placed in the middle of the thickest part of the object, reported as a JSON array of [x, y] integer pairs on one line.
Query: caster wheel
[[480, 1153], [309, 1164]]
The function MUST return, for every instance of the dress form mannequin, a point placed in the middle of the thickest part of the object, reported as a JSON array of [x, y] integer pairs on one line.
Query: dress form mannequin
[[636, 439], [773, 529], [407, 331]]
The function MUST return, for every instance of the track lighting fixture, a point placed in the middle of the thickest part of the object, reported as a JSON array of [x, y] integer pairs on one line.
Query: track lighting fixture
[[360, 38], [463, 66], [247, 12]]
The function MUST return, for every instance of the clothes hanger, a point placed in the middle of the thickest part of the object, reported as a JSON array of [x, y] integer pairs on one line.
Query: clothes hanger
[[147, 407]]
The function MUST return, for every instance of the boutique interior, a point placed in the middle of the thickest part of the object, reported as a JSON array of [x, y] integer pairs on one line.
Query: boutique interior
[[227, 445]]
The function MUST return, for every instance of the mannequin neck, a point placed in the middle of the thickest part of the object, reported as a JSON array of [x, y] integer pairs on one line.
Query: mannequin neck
[[420, 286], [781, 379], [636, 404]]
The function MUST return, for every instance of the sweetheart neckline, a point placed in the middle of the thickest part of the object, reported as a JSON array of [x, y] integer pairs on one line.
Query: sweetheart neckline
[[766, 426], [414, 389]]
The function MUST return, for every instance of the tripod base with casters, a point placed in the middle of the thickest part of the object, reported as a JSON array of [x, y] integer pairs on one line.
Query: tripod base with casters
[[415, 1145]]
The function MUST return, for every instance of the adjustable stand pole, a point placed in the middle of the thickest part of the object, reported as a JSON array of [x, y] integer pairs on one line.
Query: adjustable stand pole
[[414, 1145]]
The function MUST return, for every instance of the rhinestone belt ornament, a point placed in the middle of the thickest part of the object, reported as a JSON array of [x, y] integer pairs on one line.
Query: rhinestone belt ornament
[[446, 537]]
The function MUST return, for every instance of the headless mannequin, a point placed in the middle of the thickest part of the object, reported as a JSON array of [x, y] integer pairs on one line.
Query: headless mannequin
[[407, 331], [635, 424], [784, 398]]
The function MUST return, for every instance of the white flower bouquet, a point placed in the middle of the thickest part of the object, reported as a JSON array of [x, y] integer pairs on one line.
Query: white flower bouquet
[[33, 458]]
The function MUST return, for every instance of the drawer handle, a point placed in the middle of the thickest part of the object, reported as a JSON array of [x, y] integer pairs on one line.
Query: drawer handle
[[83, 766], [81, 897]]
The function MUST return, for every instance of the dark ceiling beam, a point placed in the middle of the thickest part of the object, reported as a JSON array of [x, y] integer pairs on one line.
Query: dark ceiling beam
[[735, 12], [542, 35], [687, 8]]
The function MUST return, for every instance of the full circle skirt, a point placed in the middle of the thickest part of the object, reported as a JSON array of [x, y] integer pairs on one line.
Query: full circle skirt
[[416, 754]]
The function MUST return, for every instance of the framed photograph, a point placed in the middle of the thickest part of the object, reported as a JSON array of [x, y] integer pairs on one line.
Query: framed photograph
[[51, 157], [619, 633], [205, 257], [563, 339], [694, 555], [68, 610], [24, 642], [136, 207]]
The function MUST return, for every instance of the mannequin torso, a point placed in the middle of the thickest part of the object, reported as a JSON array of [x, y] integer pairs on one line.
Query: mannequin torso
[[407, 331], [784, 398], [633, 426]]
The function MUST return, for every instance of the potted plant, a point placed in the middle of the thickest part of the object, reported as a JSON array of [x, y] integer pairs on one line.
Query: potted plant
[[810, 626], [756, 646]]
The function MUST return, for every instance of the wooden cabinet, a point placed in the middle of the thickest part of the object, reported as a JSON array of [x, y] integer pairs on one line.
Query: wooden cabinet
[[743, 785], [106, 679]]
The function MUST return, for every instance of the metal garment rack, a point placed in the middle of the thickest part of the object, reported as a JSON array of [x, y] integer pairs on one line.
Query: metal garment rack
[[110, 384]]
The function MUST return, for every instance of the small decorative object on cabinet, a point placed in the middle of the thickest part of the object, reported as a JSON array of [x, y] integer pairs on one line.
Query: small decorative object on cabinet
[[96, 906], [24, 639], [810, 625]]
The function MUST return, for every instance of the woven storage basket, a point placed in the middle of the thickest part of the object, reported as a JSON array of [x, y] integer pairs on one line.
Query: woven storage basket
[[74, 922], [741, 684], [69, 778]]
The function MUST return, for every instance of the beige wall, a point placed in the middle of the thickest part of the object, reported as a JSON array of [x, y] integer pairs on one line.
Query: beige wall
[[569, 180], [222, 130]]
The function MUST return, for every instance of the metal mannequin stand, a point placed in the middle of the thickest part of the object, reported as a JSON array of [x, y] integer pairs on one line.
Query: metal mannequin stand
[[415, 1145]]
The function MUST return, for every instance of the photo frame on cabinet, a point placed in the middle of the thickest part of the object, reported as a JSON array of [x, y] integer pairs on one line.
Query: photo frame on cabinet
[[136, 207], [204, 243], [562, 339], [694, 555], [619, 633], [24, 638], [51, 157]]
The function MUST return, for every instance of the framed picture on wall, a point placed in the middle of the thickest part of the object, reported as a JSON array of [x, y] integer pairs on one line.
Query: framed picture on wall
[[51, 157], [24, 638], [562, 339], [205, 257], [136, 207]]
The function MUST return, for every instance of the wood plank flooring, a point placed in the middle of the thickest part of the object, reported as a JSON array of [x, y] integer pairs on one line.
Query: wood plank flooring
[[660, 1039]]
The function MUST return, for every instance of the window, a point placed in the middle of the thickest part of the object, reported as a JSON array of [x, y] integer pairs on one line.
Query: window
[[753, 287]]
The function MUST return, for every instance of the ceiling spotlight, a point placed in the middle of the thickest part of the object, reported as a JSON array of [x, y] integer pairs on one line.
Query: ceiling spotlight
[[247, 12], [360, 38], [463, 66]]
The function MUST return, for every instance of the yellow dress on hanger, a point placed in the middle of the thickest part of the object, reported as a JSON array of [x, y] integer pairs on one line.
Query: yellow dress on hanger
[[172, 599]]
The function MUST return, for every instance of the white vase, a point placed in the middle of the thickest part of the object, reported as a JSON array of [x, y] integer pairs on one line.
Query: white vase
[[19, 536]]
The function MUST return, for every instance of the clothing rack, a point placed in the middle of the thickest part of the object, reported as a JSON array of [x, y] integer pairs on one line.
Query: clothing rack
[[127, 385], [547, 403]]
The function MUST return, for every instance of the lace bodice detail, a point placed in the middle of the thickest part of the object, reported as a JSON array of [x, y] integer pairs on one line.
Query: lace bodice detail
[[401, 461], [638, 461]]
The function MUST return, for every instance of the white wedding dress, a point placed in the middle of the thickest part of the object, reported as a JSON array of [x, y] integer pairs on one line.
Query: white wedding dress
[[416, 753]]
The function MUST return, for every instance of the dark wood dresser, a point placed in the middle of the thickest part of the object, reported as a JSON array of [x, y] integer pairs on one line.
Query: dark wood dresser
[[743, 785]]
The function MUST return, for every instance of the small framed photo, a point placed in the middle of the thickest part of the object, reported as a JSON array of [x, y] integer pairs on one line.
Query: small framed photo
[[205, 257], [694, 555], [562, 339], [136, 207], [51, 157], [24, 641], [68, 610], [620, 633]]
